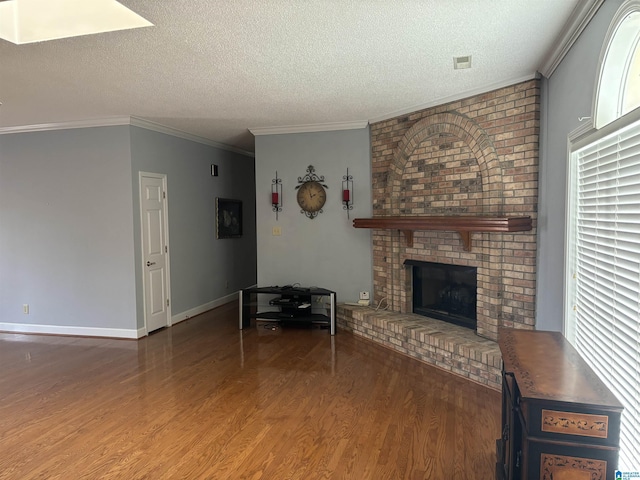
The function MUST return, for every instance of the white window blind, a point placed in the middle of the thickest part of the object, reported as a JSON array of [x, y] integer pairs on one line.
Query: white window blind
[[605, 326]]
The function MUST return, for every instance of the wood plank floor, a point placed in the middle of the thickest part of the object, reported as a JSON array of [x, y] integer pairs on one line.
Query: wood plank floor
[[205, 400]]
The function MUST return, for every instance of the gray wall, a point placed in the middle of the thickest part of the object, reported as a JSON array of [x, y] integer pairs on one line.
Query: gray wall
[[325, 251], [66, 229], [70, 227], [567, 95], [203, 268]]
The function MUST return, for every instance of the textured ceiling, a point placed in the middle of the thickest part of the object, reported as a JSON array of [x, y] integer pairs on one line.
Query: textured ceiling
[[214, 68]]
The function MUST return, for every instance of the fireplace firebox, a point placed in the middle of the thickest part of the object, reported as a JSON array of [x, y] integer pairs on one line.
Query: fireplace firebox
[[445, 292]]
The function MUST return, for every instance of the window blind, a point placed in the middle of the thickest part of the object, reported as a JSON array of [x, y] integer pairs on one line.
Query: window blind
[[606, 320]]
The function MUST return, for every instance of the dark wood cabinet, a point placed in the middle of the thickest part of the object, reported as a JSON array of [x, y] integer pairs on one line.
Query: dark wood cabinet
[[559, 421]]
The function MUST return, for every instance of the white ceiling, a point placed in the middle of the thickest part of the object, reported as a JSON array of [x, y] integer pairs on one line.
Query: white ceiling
[[215, 69]]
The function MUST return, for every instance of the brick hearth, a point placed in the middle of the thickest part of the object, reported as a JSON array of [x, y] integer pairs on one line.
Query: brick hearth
[[450, 347]]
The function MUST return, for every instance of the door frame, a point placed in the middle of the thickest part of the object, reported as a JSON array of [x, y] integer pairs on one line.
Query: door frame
[[162, 177]]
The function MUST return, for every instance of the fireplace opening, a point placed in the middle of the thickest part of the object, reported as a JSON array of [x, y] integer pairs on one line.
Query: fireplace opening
[[445, 292]]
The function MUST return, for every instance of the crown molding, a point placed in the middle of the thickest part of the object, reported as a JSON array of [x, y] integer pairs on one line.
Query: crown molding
[[453, 98], [157, 127], [43, 127], [318, 127], [113, 121], [577, 22]]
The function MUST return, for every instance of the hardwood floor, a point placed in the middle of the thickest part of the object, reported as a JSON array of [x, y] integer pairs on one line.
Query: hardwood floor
[[205, 400]]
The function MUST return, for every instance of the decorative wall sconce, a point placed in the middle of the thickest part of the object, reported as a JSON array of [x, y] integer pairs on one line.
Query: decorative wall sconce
[[347, 192], [276, 195]]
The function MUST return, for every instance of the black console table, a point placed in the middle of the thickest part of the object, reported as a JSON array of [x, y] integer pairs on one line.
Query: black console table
[[294, 305]]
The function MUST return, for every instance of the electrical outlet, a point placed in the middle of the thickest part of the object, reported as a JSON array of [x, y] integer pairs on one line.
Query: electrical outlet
[[276, 231], [364, 296]]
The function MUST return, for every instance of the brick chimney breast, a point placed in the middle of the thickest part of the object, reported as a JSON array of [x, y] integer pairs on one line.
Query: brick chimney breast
[[476, 156]]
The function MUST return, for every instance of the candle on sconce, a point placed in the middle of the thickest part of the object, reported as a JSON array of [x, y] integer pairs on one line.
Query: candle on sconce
[[276, 193], [347, 188]]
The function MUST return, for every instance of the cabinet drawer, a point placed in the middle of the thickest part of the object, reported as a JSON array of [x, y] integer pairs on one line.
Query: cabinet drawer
[[546, 460], [572, 423]]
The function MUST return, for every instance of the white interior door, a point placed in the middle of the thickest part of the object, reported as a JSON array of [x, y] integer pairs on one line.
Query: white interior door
[[155, 250]]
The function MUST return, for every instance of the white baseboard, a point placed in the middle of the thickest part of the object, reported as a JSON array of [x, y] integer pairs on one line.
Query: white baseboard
[[111, 332], [69, 330], [192, 312]]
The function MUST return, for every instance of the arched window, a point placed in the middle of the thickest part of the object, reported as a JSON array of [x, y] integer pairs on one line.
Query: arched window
[[618, 88], [602, 318]]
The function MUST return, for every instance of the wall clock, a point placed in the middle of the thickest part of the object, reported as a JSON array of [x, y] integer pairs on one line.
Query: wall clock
[[312, 194]]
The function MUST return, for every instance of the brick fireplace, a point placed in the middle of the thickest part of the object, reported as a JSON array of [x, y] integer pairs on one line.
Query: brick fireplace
[[472, 157]]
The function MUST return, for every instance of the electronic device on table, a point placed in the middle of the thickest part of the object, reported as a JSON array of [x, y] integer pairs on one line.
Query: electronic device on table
[[293, 302]]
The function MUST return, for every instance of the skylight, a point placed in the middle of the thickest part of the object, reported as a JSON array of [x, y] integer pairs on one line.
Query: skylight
[[29, 21]]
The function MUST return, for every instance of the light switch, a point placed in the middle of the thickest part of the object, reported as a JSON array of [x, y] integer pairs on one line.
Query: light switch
[[276, 231]]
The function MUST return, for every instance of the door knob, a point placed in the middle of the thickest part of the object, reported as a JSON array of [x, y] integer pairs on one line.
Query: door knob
[[150, 263]]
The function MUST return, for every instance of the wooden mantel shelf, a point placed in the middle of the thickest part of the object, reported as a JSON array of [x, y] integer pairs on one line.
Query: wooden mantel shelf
[[463, 225]]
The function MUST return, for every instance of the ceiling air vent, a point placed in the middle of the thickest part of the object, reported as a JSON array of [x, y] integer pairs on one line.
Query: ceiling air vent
[[462, 62]]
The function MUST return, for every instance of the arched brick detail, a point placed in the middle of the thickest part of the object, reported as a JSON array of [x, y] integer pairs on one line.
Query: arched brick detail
[[472, 135]]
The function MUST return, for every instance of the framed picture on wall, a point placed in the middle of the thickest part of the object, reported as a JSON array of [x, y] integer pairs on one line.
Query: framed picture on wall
[[228, 218]]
